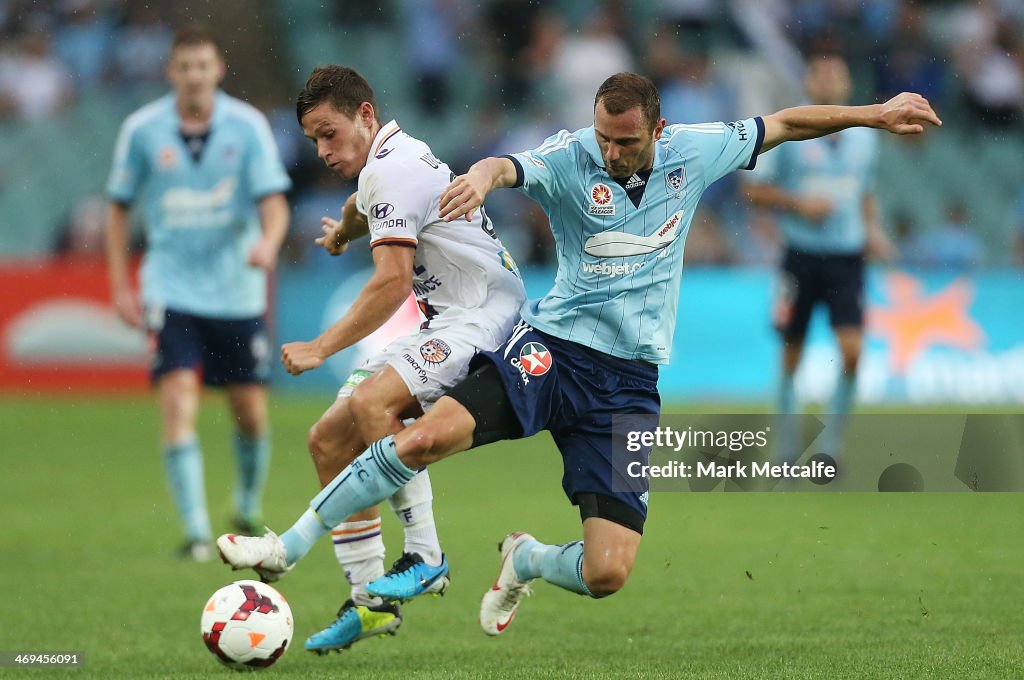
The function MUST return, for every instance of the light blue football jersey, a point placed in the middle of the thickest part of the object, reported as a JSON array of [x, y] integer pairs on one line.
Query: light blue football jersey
[[201, 218], [619, 265], [840, 168]]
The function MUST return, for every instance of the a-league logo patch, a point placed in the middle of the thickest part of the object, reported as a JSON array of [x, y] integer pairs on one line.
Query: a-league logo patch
[[675, 179], [601, 200], [435, 351], [536, 358], [601, 194], [167, 158]]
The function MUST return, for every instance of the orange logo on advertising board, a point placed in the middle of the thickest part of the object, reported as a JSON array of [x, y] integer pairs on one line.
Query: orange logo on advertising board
[[912, 320]]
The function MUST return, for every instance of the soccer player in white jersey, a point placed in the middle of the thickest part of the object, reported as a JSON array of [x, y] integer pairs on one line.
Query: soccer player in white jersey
[[469, 291], [204, 172], [620, 196]]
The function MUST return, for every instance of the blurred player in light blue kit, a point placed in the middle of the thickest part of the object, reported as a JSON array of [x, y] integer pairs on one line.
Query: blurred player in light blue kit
[[204, 171], [620, 196], [823, 190]]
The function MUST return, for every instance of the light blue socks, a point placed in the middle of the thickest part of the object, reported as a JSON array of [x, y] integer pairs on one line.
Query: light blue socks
[[373, 476], [184, 464], [842, 403], [561, 565], [252, 459]]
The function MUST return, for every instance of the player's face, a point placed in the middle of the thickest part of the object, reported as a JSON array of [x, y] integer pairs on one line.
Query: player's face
[[195, 71], [627, 145], [342, 142], [828, 81]]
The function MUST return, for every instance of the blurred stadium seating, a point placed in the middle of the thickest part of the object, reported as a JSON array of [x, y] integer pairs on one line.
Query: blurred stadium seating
[[442, 68], [979, 166]]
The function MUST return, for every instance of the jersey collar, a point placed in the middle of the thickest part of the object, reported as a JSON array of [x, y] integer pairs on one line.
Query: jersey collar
[[379, 148], [588, 138]]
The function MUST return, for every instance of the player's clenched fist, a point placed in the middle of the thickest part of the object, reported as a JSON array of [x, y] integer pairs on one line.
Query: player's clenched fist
[[906, 113], [333, 240], [299, 357]]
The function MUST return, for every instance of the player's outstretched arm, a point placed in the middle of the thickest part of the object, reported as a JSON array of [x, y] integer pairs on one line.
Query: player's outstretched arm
[[379, 299], [339, 233], [905, 114], [466, 193]]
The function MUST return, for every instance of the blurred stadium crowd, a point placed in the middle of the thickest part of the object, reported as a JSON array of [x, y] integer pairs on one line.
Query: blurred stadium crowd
[[481, 77]]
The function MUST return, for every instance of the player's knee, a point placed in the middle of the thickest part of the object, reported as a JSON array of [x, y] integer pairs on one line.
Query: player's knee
[[606, 579], [420, 446], [361, 406], [321, 444], [315, 441], [370, 412], [250, 426]]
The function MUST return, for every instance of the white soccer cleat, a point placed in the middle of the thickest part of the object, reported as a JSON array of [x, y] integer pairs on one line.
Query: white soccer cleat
[[500, 603], [265, 554]]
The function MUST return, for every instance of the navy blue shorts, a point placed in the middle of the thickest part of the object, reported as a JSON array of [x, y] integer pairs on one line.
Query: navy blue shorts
[[810, 278], [229, 351], [573, 392]]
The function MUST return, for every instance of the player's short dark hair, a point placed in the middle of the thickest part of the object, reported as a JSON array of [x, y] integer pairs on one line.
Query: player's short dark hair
[[624, 91], [824, 46], [191, 35], [343, 87]]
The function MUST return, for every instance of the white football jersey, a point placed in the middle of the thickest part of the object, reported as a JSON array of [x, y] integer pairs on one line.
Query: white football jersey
[[461, 271]]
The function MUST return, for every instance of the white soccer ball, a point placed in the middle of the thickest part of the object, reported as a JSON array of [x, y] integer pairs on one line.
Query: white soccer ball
[[247, 625]]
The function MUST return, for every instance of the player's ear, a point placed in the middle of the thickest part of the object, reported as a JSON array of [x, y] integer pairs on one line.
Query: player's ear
[[367, 114], [659, 128]]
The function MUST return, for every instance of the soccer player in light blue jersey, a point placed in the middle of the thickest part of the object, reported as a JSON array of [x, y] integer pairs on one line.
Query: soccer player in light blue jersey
[[620, 196], [823, 190], [204, 172]]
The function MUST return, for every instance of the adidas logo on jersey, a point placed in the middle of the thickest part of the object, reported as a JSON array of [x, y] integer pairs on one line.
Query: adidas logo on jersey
[[635, 182]]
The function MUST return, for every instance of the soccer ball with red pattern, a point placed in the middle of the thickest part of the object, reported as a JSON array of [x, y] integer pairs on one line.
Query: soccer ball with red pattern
[[247, 624]]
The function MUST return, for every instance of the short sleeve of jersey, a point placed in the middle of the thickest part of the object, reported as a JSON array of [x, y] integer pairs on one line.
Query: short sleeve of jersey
[[542, 172], [724, 147], [129, 167], [266, 173], [393, 208], [771, 166]]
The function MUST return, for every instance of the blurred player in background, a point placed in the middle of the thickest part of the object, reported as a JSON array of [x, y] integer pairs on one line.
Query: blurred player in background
[[824, 192], [204, 171], [620, 196], [467, 287]]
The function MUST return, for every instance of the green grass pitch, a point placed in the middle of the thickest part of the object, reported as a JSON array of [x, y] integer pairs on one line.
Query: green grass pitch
[[726, 585]]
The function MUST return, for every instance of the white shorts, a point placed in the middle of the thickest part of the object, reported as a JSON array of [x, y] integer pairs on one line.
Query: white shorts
[[429, 362]]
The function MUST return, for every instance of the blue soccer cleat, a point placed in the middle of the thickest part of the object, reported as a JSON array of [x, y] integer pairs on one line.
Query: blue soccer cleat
[[411, 576], [355, 623]]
